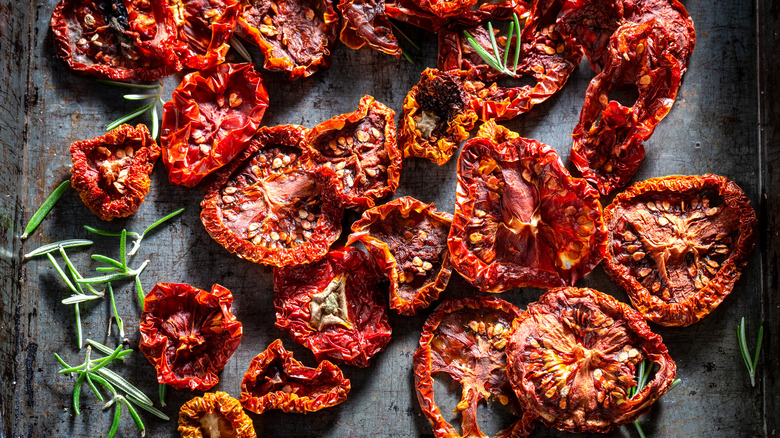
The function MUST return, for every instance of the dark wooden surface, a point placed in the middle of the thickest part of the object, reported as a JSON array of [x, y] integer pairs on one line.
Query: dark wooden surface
[[722, 123]]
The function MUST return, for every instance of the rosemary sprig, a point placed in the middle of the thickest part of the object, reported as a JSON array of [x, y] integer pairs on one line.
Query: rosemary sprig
[[138, 237], [495, 60], [45, 208], [51, 247], [409, 40], [155, 98], [94, 371], [643, 375], [236, 44], [750, 363]]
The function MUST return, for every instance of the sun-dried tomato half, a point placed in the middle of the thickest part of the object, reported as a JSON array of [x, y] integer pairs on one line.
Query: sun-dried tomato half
[[408, 241], [495, 132], [111, 172], [188, 334], [275, 380], [204, 28], [215, 415], [465, 339], [677, 244], [521, 219], [210, 119], [573, 355], [408, 12], [608, 140], [332, 307], [118, 40], [269, 206], [437, 117], [358, 151], [295, 36], [366, 22]]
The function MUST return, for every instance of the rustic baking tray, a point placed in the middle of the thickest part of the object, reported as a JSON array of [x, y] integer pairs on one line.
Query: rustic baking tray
[[725, 121]]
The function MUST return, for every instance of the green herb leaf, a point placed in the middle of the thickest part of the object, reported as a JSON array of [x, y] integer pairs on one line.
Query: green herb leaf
[[51, 247], [45, 208], [236, 44], [129, 116]]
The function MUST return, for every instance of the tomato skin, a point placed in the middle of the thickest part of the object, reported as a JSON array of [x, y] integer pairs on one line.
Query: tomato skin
[[188, 334], [677, 258], [210, 119], [204, 29], [363, 331], [223, 408], [366, 22], [111, 172], [275, 380]]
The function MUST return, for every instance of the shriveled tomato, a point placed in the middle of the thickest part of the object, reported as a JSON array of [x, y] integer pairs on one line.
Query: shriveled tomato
[[111, 172], [295, 36], [408, 12], [121, 40], [366, 22], [466, 339], [495, 132], [204, 29], [215, 415], [269, 206], [678, 244], [275, 380], [358, 151], [437, 117], [573, 355], [408, 240], [188, 334], [521, 219], [446, 8], [332, 307], [210, 119]]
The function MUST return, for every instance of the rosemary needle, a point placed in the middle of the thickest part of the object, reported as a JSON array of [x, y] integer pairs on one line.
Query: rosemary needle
[[48, 204]]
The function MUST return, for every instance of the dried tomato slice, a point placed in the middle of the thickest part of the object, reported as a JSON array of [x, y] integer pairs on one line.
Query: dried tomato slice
[[268, 206], [210, 119], [295, 36], [521, 219], [215, 415], [111, 172], [677, 244], [437, 117], [408, 240], [275, 380], [204, 28], [332, 307], [366, 22], [118, 40], [358, 150], [573, 355], [188, 334], [466, 339]]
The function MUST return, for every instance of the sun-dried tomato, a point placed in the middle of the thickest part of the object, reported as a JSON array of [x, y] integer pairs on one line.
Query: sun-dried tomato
[[436, 118], [118, 40], [408, 12], [268, 206], [446, 8], [275, 380], [111, 172], [215, 415], [188, 334], [677, 244], [358, 151], [366, 22], [465, 339], [204, 28], [608, 140], [573, 355], [332, 307], [495, 132], [210, 119], [408, 241], [521, 219], [295, 36]]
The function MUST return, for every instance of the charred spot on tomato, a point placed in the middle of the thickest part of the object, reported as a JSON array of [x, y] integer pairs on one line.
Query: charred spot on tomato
[[204, 29], [215, 415], [408, 240], [677, 244], [270, 205], [210, 119], [465, 339], [111, 172], [436, 118], [295, 36], [275, 380], [521, 219], [358, 152], [188, 334], [573, 355], [366, 22], [305, 311], [116, 40]]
